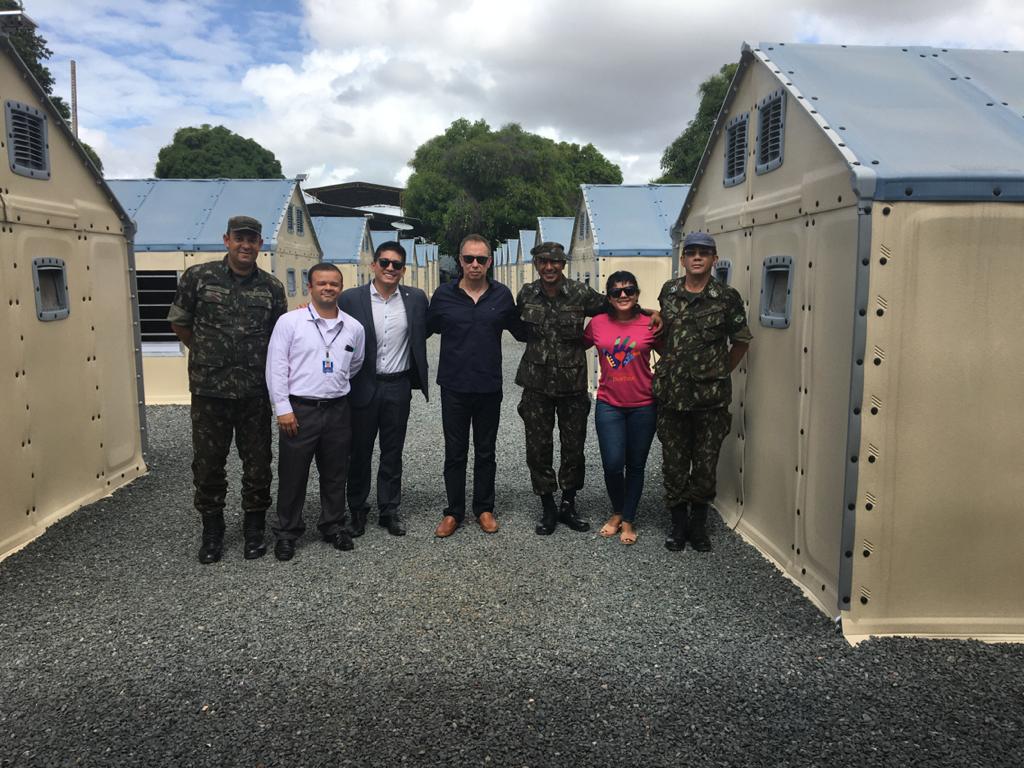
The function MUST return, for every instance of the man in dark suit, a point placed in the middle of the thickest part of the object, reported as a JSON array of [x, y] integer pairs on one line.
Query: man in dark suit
[[394, 317]]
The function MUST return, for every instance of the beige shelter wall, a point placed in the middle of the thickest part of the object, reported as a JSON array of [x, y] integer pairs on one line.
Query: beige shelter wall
[[938, 522]]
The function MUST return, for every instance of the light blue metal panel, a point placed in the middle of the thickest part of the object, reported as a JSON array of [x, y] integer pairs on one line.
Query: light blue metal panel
[[922, 123], [381, 237], [633, 220], [264, 199], [555, 229], [340, 237], [527, 239], [511, 247], [410, 250], [421, 254]]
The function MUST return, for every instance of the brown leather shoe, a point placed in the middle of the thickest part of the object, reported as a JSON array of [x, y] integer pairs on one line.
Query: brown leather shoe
[[487, 522], [446, 527]]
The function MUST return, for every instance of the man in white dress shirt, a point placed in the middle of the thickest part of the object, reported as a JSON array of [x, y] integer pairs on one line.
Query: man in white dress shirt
[[314, 353]]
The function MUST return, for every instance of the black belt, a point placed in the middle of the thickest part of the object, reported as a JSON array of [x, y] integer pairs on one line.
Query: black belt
[[392, 376], [326, 403]]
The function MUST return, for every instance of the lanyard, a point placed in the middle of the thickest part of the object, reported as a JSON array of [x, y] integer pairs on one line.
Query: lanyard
[[334, 338]]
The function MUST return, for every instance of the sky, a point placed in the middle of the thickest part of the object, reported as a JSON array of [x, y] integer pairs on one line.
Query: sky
[[345, 90]]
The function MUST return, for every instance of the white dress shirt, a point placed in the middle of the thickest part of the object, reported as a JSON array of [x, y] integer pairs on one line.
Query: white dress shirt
[[299, 345], [391, 325]]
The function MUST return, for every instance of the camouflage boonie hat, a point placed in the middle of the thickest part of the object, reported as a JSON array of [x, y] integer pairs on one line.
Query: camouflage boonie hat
[[548, 250], [241, 223]]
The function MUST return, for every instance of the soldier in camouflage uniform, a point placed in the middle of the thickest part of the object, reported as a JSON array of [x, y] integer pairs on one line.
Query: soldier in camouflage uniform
[[224, 312], [553, 376], [693, 388]]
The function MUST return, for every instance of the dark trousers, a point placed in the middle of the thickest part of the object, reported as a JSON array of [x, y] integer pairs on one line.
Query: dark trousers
[[538, 411], [459, 412], [325, 433], [387, 414], [690, 443], [215, 420], [624, 436]]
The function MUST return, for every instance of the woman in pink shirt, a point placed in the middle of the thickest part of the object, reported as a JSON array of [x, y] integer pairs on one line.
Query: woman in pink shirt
[[625, 414]]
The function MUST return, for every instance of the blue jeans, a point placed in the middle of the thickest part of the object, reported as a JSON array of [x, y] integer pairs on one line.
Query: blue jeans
[[624, 436]]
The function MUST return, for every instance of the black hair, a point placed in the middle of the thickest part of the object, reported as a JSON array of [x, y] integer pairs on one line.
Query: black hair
[[390, 245], [323, 266], [622, 276]]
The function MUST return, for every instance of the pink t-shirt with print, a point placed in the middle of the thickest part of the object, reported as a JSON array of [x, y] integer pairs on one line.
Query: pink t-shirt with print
[[624, 350]]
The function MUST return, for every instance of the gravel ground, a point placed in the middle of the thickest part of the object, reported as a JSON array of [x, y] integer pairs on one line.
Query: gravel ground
[[508, 650]]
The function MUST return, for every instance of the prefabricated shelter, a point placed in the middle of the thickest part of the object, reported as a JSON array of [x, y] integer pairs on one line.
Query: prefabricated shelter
[[423, 266], [527, 240], [869, 204], [181, 222], [69, 341], [432, 278], [625, 226], [555, 229], [510, 249], [412, 269], [345, 241]]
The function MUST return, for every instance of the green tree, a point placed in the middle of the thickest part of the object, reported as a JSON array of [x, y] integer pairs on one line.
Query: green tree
[[214, 152], [474, 179], [32, 48], [681, 158]]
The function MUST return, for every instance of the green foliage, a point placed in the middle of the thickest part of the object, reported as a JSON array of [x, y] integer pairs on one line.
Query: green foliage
[[473, 179], [214, 152], [681, 158]]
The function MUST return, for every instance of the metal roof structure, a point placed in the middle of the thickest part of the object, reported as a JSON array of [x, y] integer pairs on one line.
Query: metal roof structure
[[511, 249], [555, 229], [528, 239], [633, 219], [356, 194], [192, 214], [341, 238], [422, 255]]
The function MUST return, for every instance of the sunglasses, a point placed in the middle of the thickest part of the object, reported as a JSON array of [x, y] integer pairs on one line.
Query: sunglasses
[[699, 251], [386, 263], [481, 260], [626, 290]]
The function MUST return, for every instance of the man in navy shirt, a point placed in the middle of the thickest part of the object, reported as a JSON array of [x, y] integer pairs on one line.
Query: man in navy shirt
[[470, 314]]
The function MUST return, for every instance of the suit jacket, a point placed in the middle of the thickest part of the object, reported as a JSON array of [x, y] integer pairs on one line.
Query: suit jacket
[[356, 301]]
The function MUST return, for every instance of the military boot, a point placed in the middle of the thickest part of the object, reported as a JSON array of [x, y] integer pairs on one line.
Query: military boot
[[252, 532], [696, 528], [567, 513], [675, 541], [212, 547], [549, 517]]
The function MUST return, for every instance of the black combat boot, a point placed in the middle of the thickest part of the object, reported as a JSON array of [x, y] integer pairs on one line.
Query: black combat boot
[[567, 512], [357, 523], [255, 546], [212, 548], [549, 517], [696, 528], [675, 541]]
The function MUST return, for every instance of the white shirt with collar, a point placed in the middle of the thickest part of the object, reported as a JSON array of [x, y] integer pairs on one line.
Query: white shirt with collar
[[300, 343], [391, 326]]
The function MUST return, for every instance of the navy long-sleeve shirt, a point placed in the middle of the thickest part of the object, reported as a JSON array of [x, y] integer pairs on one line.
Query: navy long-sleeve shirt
[[470, 359]]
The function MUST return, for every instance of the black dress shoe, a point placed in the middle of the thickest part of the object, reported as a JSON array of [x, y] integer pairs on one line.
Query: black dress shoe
[[211, 549], [341, 540], [357, 523], [393, 523], [255, 547], [567, 516], [284, 549]]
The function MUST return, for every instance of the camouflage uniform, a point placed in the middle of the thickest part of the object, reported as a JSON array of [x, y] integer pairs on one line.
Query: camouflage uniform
[[692, 384], [553, 375], [231, 319]]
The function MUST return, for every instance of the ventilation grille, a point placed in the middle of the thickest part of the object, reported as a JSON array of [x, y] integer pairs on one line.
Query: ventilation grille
[[291, 219], [736, 151], [771, 131], [27, 148]]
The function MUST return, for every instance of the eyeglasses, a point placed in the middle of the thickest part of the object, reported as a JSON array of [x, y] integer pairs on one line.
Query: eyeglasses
[[625, 290], [481, 260], [692, 251], [398, 266]]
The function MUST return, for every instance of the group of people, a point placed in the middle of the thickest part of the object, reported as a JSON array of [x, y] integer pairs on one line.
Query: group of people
[[339, 374]]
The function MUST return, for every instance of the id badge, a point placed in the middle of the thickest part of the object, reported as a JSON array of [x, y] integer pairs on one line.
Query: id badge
[[328, 366]]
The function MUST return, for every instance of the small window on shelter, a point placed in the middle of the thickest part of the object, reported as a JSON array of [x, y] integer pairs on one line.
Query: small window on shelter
[[777, 292], [291, 218], [300, 222], [28, 148], [736, 150], [305, 282], [49, 279], [771, 131], [723, 271], [291, 282]]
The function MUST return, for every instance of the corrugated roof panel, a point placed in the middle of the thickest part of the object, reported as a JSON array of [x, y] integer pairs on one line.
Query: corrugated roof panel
[[921, 123], [555, 229], [341, 237], [192, 214], [633, 220]]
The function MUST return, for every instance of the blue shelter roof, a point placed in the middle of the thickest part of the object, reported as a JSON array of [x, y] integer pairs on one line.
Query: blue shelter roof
[[914, 123], [340, 237], [555, 229], [192, 214], [511, 248], [633, 219], [422, 249], [528, 239]]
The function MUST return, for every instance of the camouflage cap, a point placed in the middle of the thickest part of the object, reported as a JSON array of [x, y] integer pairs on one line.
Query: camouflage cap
[[240, 223], [699, 239], [548, 250]]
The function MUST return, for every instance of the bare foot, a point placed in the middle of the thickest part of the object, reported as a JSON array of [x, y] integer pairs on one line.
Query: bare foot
[[628, 535], [610, 528]]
